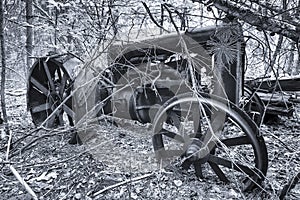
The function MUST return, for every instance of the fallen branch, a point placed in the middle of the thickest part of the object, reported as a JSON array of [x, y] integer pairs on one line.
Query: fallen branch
[[21, 180], [123, 183], [32, 143], [16, 173], [16, 93]]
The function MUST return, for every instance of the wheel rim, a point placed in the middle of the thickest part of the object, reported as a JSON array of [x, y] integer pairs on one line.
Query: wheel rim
[[238, 155], [48, 94]]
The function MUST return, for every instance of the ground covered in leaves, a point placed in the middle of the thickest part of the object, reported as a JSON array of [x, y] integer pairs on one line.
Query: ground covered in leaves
[[122, 165]]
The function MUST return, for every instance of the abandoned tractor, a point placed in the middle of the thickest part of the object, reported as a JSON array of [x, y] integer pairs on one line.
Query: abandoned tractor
[[181, 83]]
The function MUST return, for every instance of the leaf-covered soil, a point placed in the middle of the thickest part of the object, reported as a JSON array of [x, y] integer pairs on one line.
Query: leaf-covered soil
[[122, 165]]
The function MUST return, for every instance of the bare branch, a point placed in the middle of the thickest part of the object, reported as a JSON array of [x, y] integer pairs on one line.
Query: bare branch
[[152, 18], [254, 19], [21, 180], [123, 183], [171, 18]]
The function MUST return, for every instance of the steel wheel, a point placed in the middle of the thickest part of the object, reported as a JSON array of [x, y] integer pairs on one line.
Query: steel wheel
[[48, 95], [214, 136]]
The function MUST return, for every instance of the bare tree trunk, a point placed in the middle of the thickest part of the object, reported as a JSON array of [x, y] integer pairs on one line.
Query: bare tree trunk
[[55, 29], [275, 55], [29, 34], [161, 18], [3, 67], [290, 63], [201, 14], [297, 67], [278, 46], [114, 17]]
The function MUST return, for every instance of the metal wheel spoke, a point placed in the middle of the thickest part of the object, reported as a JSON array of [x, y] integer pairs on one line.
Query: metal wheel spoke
[[231, 165], [69, 111], [40, 108], [198, 169], [218, 172], [172, 135], [186, 164], [63, 85], [51, 82], [242, 140], [39, 86]]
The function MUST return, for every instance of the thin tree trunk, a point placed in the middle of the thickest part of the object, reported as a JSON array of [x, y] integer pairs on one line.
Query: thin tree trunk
[[290, 63], [201, 14], [114, 17], [279, 43], [3, 67], [297, 67], [29, 34], [275, 55], [161, 18], [55, 29]]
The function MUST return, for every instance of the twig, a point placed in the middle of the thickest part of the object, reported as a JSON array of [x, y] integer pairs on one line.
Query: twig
[[171, 18], [47, 163], [65, 160], [2, 162], [8, 146], [152, 18], [292, 183], [21, 180], [16, 142], [123, 183], [14, 171], [16, 94], [32, 143], [283, 143]]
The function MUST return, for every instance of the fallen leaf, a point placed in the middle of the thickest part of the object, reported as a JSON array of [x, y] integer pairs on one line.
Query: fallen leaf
[[178, 183]]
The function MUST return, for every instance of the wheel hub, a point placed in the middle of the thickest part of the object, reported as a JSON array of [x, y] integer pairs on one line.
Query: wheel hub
[[145, 101], [54, 99], [197, 151]]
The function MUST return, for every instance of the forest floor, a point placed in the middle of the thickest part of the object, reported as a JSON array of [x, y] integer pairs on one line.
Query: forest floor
[[54, 169]]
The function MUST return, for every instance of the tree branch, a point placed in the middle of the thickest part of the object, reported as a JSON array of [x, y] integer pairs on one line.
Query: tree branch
[[123, 183], [152, 18], [254, 19], [171, 18]]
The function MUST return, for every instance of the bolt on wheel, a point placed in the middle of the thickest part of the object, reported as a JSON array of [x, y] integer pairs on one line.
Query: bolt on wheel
[[214, 136]]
